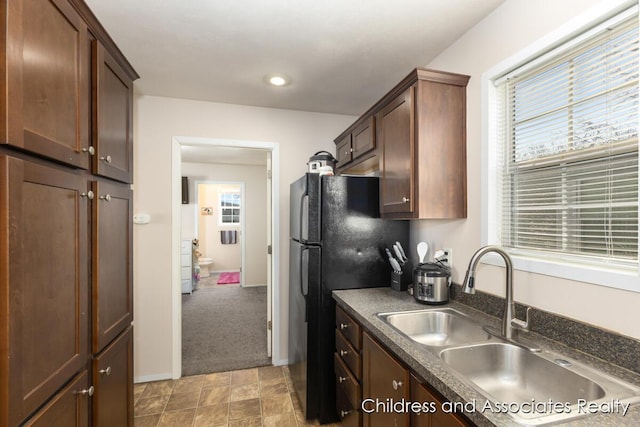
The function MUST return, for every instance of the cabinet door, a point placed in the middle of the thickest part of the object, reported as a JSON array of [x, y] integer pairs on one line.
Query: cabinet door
[[112, 299], [47, 85], [343, 151], [68, 408], [382, 378], [397, 138], [438, 418], [364, 138], [113, 382], [44, 283], [113, 117]]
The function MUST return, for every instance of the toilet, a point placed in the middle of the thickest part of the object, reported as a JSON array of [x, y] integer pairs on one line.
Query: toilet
[[204, 264]]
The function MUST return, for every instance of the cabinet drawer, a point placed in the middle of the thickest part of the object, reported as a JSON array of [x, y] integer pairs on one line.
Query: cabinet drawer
[[346, 382], [185, 260], [349, 355], [349, 328], [350, 415], [185, 273], [185, 247]]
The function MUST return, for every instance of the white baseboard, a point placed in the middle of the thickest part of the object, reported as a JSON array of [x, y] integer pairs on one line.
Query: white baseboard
[[254, 286], [280, 362], [149, 378]]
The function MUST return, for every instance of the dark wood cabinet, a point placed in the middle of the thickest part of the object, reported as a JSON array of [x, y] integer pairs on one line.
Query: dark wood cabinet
[[46, 80], [112, 116], [435, 417], [113, 382], [368, 374], [43, 341], [112, 277], [355, 147], [415, 138], [383, 377], [422, 134], [68, 408], [397, 151], [66, 254], [344, 152], [348, 369]]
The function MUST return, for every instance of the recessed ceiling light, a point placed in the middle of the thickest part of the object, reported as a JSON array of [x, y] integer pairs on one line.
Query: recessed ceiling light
[[277, 79]]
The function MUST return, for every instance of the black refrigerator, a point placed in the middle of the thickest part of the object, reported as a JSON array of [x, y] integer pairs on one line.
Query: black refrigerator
[[337, 241]]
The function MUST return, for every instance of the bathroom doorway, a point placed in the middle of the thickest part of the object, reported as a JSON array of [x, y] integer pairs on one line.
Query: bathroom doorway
[[220, 229], [204, 165]]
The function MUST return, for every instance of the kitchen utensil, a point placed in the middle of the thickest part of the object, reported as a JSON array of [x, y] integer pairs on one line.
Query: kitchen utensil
[[396, 265], [423, 248], [404, 254], [398, 254], [431, 283]]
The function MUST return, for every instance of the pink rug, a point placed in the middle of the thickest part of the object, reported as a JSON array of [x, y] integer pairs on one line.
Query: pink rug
[[227, 278]]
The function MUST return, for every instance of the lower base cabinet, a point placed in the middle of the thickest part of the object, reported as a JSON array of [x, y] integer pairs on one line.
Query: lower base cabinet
[[112, 402], [386, 380], [422, 393], [68, 408]]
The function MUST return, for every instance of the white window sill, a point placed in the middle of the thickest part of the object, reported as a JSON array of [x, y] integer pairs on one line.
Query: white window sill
[[628, 279]]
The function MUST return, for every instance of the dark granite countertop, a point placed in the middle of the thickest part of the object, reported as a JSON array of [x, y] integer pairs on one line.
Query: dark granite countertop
[[363, 304]]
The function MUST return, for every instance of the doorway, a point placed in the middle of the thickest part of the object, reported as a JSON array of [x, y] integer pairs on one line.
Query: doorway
[[269, 210]]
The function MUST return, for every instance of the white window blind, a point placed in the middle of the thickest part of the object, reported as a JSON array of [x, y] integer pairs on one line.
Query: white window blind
[[568, 138]]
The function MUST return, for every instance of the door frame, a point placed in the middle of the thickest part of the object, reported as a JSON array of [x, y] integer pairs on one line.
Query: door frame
[[273, 285], [242, 218]]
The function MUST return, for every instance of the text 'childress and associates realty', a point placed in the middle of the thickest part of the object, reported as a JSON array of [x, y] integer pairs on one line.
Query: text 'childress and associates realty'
[[532, 407]]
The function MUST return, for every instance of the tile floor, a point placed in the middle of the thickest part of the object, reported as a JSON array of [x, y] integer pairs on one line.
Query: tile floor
[[249, 397]]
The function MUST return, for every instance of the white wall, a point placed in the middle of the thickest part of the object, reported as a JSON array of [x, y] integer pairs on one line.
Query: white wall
[[156, 121], [509, 29], [254, 205]]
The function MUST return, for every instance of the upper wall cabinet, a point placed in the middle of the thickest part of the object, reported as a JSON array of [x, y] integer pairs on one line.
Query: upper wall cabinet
[[422, 135], [46, 83], [415, 138], [355, 147], [113, 117]]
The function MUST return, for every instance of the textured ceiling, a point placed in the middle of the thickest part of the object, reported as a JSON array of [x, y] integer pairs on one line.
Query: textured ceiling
[[342, 55]]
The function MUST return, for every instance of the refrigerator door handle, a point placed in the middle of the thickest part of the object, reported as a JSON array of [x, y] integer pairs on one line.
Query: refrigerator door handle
[[304, 217], [304, 280]]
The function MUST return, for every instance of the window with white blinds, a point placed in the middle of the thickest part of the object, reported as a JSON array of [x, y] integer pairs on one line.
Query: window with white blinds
[[568, 150]]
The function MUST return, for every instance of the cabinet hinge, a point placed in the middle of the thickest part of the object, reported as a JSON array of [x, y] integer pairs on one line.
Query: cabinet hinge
[[269, 325], [269, 250], [269, 174]]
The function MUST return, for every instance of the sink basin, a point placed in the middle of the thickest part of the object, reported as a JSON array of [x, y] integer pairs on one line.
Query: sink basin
[[436, 327], [509, 374]]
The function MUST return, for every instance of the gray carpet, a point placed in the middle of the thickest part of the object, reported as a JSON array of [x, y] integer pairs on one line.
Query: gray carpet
[[224, 328]]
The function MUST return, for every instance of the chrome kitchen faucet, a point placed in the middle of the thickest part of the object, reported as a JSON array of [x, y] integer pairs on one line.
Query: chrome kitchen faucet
[[510, 324]]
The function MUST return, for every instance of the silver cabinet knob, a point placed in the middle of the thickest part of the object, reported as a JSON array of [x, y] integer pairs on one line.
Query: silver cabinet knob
[[89, 195], [87, 391], [343, 326], [106, 198], [344, 413], [342, 379], [406, 200], [396, 384], [106, 371], [89, 150], [344, 352], [106, 159]]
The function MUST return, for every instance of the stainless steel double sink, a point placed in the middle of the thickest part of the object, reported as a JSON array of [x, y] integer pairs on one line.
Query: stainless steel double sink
[[533, 388]]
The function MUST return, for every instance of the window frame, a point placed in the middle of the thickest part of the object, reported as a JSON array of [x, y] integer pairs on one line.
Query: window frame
[[564, 267], [239, 208]]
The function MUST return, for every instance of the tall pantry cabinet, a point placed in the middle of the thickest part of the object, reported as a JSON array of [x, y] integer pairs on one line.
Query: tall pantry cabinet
[[66, 287]]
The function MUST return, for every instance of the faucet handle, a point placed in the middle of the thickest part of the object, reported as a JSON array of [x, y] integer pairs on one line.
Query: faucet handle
[[522, 325]]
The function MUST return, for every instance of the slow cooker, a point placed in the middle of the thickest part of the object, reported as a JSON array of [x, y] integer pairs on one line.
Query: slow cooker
[[431, 283]]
